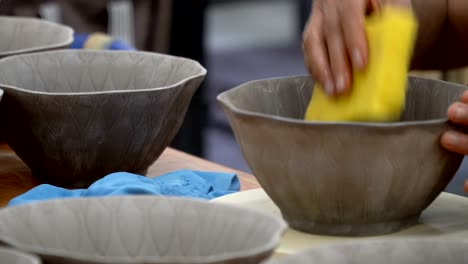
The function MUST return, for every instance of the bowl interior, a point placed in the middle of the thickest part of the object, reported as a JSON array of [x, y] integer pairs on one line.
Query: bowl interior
[[80, 71], [396, 251], [288, 98], [155, 229], [21, 34]]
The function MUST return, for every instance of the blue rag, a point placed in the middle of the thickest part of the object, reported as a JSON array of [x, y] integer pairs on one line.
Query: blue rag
[[184, 183]]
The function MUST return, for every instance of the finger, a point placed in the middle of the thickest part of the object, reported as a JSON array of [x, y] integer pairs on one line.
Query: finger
[[464, 97], [352, 22], [374, 5], [458, 113], [466, 186], [316, 54], [338, 55], [455, 141]]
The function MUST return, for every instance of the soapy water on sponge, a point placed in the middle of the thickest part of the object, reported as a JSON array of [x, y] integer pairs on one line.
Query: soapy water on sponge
[[378, 92]]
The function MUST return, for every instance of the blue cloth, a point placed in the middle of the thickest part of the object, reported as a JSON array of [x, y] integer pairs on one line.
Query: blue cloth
[[118, 44], [79, 41], [184, 183]]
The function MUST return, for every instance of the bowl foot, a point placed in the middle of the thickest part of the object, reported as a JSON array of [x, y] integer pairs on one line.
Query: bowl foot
[[65, 183], [375, 229], [141, 172]]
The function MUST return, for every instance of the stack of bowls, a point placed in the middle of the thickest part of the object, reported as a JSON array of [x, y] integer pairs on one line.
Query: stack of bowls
[[74, 116]]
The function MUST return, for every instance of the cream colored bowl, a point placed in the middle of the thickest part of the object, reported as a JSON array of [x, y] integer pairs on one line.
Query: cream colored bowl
[[140, 229]]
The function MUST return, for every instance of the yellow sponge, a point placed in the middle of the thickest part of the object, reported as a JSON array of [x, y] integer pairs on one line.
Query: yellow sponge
[[378, 92]]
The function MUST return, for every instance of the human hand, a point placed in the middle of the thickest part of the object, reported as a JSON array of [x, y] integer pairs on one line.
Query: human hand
[[454, 140], [334, 41]]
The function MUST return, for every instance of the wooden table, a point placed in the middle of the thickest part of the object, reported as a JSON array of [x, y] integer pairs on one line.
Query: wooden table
[[15, 176]]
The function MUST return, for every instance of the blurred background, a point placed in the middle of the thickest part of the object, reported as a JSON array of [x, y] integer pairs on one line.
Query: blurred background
[[236, 40]]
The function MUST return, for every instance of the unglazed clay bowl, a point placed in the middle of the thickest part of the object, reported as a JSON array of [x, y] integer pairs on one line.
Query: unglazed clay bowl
[[348, 179], [12, 256], [140, 229], [24, 35], [74, 116], [395, 251]]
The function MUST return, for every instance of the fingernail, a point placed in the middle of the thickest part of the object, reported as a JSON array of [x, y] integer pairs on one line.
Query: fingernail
[[452, 138], [357, 59], [329, 87], [340, 84], [460, 113]]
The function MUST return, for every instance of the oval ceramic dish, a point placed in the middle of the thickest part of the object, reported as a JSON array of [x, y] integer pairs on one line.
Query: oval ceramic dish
[[75, 116], [344, 178], [395, 251], [140, 229]]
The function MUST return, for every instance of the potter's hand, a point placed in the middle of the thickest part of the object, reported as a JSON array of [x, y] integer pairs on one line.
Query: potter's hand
[[335, 40], [454, 140]]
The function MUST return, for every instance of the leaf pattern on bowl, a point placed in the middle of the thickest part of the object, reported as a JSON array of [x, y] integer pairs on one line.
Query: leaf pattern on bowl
[[76, 116], [140, 229]]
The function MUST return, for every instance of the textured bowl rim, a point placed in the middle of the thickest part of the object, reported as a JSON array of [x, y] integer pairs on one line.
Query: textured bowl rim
[[222, 98], [201, 71], [367, 242], [32, 259], [66, 29], [255, 251]]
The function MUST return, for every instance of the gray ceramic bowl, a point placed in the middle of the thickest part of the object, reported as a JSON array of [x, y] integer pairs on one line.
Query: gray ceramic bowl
[[11, 256], [25, 35], [75, 116], [397, 251], [344, 178], [140, 229]]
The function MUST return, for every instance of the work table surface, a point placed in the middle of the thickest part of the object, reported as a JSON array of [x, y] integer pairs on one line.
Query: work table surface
[[15, 176]]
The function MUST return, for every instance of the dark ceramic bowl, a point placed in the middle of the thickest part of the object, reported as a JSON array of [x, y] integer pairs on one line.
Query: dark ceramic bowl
[[25, 35], [140, 229], [75, 116], [344, 178], [394, 251]]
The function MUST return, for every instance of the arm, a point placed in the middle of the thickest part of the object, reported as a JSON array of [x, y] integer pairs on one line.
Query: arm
[[443, 36]]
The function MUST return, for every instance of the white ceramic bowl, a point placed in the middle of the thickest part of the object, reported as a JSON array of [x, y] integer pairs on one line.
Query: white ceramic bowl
[[140, 229], [25, 35]]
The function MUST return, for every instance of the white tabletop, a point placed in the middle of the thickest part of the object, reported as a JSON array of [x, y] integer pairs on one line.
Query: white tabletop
[[446, 217]]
